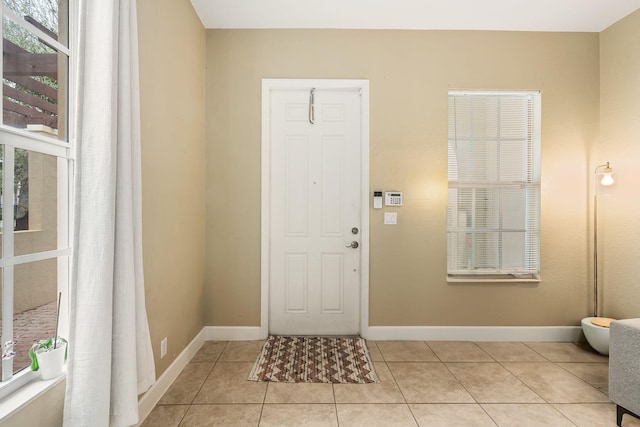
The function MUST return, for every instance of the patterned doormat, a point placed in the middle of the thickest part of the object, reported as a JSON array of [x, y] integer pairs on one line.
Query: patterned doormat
[[314, 360]]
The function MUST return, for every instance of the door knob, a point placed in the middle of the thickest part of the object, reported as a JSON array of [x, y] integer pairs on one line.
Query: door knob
[[353, 245]]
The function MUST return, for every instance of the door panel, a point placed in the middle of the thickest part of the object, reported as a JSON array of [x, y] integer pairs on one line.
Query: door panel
[[296, 191], [332, 283]]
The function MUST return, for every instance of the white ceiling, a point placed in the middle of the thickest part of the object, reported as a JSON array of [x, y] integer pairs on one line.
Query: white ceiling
[[506, 15]]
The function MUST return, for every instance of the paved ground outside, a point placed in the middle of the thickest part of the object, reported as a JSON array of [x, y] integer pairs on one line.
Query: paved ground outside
[[29, 326]]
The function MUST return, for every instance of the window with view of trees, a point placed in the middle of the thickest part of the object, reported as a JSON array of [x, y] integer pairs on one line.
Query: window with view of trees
[[493, 212], [35, 162]]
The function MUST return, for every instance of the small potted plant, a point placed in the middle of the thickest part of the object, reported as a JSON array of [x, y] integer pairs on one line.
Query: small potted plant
[[48, 355]]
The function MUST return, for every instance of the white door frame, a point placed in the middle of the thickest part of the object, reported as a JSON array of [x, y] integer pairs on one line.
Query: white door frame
[[269, 85]]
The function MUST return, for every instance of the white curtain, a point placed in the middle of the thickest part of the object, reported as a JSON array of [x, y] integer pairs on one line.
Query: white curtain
[[111, 359]]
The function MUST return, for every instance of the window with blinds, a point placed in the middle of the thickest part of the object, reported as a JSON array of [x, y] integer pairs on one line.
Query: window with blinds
[[493, 211]]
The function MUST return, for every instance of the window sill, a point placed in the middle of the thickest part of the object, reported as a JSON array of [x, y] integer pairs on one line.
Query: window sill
[[24, 232], [29, 392], [491, 280]]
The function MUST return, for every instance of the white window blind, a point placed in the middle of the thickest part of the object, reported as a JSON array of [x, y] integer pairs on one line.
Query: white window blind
[[493, 213]]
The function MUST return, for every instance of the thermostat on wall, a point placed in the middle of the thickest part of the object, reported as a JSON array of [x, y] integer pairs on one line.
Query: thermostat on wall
[[393, 198]]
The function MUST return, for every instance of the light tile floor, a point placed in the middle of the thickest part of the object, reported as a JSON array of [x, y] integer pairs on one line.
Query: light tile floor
[[422, 384]]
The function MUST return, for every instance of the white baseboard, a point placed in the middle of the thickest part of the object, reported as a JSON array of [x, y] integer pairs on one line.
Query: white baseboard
[[149, 400], [209, 333], [474, 333], [422, 333], [234, 333]]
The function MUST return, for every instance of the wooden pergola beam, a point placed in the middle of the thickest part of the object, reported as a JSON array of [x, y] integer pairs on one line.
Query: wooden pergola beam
[[32, 115], [29, 99], [30, 64], [18, 62], [18, 121], [34, 86]]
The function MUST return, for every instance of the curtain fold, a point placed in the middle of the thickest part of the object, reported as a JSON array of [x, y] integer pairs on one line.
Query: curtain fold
[[111, 358]]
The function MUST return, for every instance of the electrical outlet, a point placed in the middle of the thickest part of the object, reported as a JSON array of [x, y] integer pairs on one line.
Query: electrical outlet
[[163, 347]]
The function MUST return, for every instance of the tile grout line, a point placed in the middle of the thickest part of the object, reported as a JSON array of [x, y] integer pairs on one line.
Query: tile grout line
[[558, 365], [335, 402], [547, 402], [395, 381], [264, 400], [406, 403], [191, 404], [478, 403]]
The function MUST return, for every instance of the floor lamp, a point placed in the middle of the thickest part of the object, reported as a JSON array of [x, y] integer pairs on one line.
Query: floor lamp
[[607, 179]]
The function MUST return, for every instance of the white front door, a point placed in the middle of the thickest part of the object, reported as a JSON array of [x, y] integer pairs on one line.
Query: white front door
[[315, 212]]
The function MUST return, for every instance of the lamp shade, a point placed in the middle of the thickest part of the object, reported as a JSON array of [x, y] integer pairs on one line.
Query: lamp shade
[[607, 178], [606, 174]]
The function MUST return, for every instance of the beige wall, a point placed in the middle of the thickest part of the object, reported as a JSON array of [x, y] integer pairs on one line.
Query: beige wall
[[172, 49], [36, 282], [45, 411], [410, 73], [619, 208]]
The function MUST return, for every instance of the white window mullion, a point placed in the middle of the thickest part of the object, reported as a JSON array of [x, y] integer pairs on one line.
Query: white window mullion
[[8, 165], [7, 323], [64, 226], [33, 142], [46, 38], [34, 257]]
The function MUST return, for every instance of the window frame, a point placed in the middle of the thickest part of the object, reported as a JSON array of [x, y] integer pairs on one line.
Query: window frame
[[530, 187], [16, 388]]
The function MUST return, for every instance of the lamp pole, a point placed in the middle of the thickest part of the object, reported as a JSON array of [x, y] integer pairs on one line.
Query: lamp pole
[[595, 252]]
